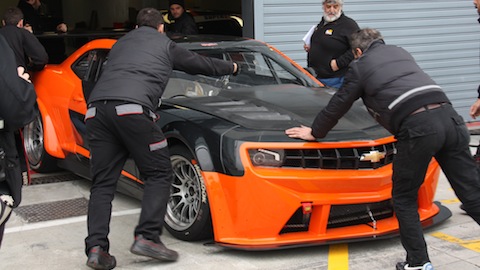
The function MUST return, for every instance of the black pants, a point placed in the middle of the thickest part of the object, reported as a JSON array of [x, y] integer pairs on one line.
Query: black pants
[[117, 130], [11, 176], [5, 212], [439, 133]]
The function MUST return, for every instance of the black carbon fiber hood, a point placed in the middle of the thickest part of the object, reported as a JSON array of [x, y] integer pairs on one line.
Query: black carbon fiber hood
[[279, 107]]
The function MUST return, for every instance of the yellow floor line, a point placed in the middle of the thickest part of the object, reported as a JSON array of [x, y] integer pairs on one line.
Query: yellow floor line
[[470, 244], [338, 257], [450, 201]]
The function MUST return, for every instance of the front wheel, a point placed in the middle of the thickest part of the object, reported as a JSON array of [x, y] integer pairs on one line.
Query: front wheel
[[38, 159], [188, 211]]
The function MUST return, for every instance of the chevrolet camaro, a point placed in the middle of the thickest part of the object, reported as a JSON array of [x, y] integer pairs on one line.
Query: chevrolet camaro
[[237, 177]]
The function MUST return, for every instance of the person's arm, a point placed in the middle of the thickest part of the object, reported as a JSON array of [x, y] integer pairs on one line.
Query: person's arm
[[62, 27], [338, 105], [475, 108], [193, 63], [35, 52], [189, 27], [347, 57], [17, 98]]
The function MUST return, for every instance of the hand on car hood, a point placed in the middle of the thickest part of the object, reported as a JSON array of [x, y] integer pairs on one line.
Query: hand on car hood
[[279, 107]]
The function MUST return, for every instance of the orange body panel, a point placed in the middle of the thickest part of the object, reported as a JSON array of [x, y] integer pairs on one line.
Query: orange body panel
[[251, 210], [58, 91]]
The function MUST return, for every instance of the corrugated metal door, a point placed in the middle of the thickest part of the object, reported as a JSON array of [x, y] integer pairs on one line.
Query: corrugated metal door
[[442, 35]]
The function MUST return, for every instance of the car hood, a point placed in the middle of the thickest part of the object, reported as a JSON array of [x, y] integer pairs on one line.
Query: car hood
[[279, 107]]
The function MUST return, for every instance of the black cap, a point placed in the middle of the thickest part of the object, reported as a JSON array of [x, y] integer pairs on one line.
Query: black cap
[[178, 2]]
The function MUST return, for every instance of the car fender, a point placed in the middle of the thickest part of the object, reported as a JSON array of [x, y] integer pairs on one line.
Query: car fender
[[200, 149], [198, 146], [50, 139], [202, 152]]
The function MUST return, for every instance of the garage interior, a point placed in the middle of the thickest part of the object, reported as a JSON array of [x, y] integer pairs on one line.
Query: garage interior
[[115, 13], [89, 19]]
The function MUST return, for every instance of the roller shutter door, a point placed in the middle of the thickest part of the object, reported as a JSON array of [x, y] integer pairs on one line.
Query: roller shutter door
[[442, 35]]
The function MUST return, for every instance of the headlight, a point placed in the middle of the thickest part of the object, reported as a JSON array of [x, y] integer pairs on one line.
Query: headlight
[[267, 157]]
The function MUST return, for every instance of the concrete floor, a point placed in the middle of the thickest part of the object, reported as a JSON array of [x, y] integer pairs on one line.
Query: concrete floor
[[59, 244]]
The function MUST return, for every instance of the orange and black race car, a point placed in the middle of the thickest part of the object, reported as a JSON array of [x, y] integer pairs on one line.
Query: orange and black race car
[[238, 177]]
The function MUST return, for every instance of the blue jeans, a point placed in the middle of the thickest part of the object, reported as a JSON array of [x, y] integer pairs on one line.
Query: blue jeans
[[332, 82], [439, 133]]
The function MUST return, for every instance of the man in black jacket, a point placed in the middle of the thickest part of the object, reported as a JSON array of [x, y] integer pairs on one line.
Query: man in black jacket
[[29, 52], [329, 50], [120, 123], [15, 86], [408, 103], [181, 22], [39, 19]]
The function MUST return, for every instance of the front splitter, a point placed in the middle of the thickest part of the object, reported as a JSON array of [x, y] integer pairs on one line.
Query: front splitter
[[443, 214]]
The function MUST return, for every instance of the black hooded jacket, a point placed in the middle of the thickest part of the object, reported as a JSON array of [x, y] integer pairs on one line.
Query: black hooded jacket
[[390, 83], [29, 52], [184, 25], [140, 64]]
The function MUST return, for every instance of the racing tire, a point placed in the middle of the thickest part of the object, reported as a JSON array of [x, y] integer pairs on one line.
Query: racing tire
[[188, 211], [38, 159]]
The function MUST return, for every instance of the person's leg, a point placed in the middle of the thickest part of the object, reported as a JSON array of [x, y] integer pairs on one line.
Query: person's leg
[[458, 164], [107, 158], [157, 177], [415, 147], [332, 82], [148, 147], [5, 212]]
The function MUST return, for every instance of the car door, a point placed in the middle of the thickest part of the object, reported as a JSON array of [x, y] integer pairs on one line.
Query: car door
[[88, 69]]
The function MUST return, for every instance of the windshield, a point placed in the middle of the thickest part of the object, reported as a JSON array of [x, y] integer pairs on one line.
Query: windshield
[[255, 69]]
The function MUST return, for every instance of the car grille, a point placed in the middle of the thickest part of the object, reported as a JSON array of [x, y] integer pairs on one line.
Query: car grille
[[339, 158], [343, 216], [354, 214], [298, 222]]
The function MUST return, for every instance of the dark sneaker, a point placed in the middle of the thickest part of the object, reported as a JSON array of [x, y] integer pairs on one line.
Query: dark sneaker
[[404, 266], [462, 207], [100, 259], [149, 248]]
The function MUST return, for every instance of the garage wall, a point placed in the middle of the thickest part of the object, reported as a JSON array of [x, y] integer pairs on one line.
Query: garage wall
[[442, 35]]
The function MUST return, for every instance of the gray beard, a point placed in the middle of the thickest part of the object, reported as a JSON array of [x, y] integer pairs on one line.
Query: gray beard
[[329, 19]]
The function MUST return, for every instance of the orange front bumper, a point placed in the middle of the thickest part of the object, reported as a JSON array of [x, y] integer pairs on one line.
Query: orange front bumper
[[250, 211]]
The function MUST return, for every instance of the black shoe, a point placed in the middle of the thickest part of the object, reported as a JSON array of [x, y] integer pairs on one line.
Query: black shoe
[[405, 266], [99, 259], [462, 207], [400, 266], [149, 248]]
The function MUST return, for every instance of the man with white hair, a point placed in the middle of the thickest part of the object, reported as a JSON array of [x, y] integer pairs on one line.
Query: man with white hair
[[329, 50]]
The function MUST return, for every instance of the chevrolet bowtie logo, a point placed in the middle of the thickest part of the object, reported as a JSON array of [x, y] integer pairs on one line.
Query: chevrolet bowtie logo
[[373, 156]]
